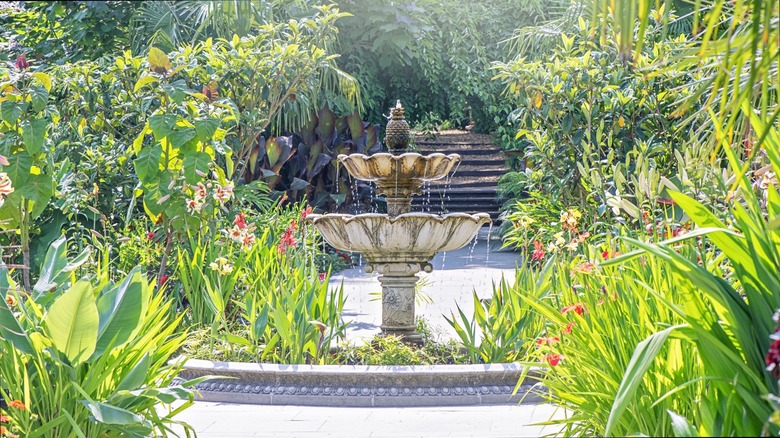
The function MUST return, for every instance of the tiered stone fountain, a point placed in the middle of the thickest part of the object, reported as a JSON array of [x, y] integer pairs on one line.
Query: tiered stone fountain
[[401, 243], [397, 245]]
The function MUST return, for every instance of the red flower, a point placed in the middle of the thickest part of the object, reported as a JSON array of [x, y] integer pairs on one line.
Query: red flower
[[606, 255], [567, 329], [163, 279], [548, 340], [577, 307], [21, 62], [240, 221], [305, 213], [553, 359], [150, 236], [322, 276], [666, 201], [538, 253], [287, 241]]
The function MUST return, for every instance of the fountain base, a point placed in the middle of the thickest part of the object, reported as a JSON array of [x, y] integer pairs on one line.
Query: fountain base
[[399, 281]]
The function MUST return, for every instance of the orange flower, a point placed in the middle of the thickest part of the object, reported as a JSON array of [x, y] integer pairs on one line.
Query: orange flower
[[4, 419], [547, 340], [578, 307], [567, 329], [17, 404], [10, 300]]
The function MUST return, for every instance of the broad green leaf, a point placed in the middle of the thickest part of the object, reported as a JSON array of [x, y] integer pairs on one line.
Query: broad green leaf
[[159, 60], [681, 426], [38, 188], [181, 136], [10, 111], [147, 165], [10, 328], [162, 125], [18, 169], [72, 322], [55, 261], [196, 161], [107, 414], [206, 129], [137, 376], [39, 97], [34, 134], [644, 355], [145, 80], [121, 311]]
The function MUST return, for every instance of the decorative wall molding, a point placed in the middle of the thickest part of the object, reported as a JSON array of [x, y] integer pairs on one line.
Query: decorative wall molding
[[363, 386]]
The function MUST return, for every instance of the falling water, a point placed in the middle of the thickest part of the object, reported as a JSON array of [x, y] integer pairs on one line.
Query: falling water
[[443, 259], [471, 248], [355, 201], [487, 252]]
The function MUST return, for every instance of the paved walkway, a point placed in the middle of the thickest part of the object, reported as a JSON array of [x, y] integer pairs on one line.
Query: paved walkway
[[219, 420], [456, 274]]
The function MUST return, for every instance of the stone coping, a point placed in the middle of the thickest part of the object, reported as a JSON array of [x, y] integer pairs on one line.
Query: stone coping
[[363, 385]]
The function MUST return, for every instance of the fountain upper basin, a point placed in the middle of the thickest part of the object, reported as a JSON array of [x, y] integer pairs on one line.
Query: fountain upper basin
[[407, 237], [394, 169]]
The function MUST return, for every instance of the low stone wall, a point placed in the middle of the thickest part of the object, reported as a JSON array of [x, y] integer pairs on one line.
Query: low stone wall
[[363, 386]]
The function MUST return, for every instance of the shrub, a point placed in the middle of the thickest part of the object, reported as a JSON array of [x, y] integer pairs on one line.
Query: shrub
[[88, 359]]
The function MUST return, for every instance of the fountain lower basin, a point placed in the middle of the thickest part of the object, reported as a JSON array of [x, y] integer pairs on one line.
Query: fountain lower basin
[[408, 237]]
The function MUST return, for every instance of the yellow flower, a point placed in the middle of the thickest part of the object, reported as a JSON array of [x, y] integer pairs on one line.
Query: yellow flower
[[10, 300], [214, 266], [559, 240], [226, 269], [570, 219]]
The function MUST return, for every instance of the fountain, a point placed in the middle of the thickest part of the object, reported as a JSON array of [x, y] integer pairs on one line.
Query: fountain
[[401, 243]]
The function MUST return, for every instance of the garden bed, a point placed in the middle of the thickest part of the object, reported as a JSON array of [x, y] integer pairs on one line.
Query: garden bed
[[363, 385]]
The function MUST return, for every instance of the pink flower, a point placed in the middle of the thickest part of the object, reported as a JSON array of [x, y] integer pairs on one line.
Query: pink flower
[[247, 240], [538, 253], [200, 192], [322, 276], [240, 220], [305, 213], [150, 236], [567, 329]]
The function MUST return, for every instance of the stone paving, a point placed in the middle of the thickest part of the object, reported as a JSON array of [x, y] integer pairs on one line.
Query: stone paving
[[455, 275], [220, 420]]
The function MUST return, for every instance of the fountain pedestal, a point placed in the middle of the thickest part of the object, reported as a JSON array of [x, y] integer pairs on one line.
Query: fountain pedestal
[[399, 282]]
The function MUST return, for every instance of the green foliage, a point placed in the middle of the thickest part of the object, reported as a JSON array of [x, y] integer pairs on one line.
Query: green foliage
[[486, 334], [588, 123], [286, 311], [88, 358], [433, 55], [595, 316]]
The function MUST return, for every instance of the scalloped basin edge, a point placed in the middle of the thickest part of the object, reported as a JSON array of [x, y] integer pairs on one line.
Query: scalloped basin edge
[[407, 237], [397, 168], [363, 385]]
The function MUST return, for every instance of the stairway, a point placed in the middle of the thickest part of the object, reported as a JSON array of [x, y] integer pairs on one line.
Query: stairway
[[472, 187]]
